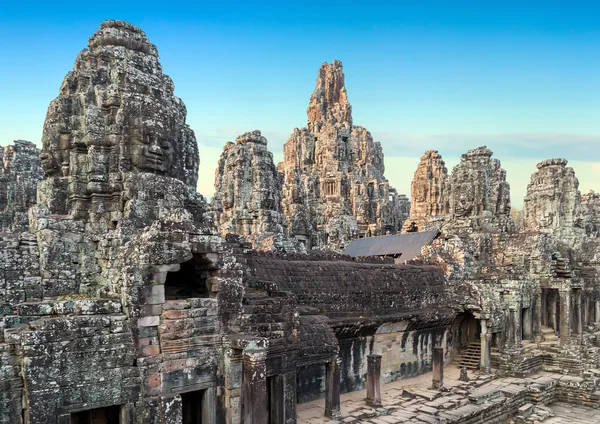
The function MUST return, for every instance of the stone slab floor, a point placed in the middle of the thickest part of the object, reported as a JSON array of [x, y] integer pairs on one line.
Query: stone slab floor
[[428, 405]]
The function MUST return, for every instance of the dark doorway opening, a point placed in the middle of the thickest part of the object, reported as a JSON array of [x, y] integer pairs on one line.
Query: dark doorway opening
[[108, 415], [191, 407], [275, 399], [191, 280], [469, 329]]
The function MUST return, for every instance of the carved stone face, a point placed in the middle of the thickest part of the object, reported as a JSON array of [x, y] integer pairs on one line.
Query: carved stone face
[[150, 152], [55, 158], [464, 203]]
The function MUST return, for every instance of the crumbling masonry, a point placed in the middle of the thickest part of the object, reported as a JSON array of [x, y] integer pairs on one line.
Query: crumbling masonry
[[126, 298]]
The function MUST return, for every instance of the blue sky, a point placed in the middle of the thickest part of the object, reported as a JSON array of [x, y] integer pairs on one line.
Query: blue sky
[[523, 79]]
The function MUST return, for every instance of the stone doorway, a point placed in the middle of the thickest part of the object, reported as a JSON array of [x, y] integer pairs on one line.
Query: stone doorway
[[192, 407], [469, 330], [192, 279], [107, 415]]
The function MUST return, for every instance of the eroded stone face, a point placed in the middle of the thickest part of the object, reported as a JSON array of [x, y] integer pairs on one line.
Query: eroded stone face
[[428, 197], [477, 191], [247, 199], [590, 206], [334, 185], [116, 113], [553, 201], [20, 172]]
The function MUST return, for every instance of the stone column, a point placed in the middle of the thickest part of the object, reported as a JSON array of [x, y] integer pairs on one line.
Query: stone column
[[514, 327], [332, 396], [597, 310], [438, 367], [527, 324], [254, 387], [537, 317], [577, 315], [290, 396], [209, 406], [565, 315], [544, 308], [374, 380], [276, 399], [552, 322], [486, 348]]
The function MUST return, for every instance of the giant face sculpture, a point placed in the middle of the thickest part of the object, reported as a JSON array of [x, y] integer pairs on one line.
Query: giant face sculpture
[[117, 108], [150, 150]]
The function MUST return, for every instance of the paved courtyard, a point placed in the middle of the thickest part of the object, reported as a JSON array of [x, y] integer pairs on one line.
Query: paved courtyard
[[411, 401]]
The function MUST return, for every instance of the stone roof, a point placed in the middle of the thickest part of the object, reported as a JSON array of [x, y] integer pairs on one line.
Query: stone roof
[[407, 246]]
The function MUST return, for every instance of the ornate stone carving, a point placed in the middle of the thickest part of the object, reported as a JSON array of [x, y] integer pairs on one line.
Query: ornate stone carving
[[478, 194], [115, 114], [553, 201], [20, 172], [119, 158], [428, 197], [590, 207], [334, 186], [247, 199]]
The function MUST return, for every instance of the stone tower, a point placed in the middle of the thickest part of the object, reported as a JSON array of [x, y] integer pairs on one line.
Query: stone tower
[[118, 156], [553, 201], [20, 172], [247, 199], [428, 198], [334, 187], [478, 194]]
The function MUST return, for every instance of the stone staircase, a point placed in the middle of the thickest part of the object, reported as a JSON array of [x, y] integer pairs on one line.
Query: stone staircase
[[471, 357], [548, 337]]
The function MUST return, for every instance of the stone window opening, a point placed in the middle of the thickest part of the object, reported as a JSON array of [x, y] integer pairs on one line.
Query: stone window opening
[[330, 188], [107, 415], [192, 279]]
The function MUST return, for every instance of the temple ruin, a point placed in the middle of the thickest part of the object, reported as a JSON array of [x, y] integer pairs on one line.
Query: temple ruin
[[125, 297], [334, 189]]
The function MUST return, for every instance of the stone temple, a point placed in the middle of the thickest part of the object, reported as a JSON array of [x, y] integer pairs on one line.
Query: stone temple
[[125, 297]]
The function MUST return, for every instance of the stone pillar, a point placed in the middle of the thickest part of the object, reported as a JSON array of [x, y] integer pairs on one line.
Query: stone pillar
[[374, 380], [332, 395], [544, 308], [276, 399], [290, 396], [597, 310], [537, 317], [438, 367], [577, 316], [486, 347], [254, 387], [514, 327], [552, 322], [527, 323], [209, 406], [565, 315]]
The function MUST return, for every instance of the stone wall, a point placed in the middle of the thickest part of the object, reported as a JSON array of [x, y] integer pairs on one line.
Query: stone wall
[[73, 355]]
